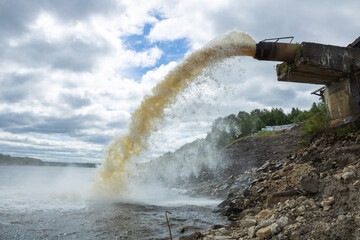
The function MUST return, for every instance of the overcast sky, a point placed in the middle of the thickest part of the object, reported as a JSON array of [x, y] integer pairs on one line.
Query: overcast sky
[[72, 71]]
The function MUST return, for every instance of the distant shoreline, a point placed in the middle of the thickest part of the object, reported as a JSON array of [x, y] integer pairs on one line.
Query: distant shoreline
[[7, 160]]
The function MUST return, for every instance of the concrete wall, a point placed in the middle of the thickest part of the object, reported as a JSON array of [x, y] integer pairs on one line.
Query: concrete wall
[[342, 99], [336, 67]]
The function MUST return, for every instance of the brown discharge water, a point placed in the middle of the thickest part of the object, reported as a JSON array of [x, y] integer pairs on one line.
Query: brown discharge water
[[111, 177]]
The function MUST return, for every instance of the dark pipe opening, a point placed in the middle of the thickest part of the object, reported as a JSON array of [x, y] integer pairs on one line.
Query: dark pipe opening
[[274, 51]]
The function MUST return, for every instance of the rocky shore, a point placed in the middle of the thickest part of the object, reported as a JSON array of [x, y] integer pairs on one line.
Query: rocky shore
[[296, 193], [240, 157]]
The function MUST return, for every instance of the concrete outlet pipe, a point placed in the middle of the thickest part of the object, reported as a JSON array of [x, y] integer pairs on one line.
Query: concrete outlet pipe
[[274, 51]]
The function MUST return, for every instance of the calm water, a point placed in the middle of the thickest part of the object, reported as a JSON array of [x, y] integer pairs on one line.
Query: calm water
[[55, 203]]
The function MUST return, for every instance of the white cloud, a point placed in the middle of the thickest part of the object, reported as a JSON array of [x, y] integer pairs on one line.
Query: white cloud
[[71, 66], [152, 77]]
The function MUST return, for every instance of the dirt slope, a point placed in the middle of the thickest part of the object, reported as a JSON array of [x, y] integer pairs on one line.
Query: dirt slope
[[241, 156]]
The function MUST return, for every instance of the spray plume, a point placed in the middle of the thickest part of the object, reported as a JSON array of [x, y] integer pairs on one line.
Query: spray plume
[[111, 177]]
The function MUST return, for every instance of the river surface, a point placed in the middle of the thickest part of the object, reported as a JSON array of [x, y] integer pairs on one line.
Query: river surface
[[54, 203]]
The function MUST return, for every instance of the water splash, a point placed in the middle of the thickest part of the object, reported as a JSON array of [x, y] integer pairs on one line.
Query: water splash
[[112, 176]]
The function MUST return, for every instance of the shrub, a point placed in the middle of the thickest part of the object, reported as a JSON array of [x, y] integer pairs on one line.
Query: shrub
[[342, 132], [315, 126]]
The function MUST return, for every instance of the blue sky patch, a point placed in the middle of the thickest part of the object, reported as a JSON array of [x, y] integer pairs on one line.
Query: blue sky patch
[[172, 50]]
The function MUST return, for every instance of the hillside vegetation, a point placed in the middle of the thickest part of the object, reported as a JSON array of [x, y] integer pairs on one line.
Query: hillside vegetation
[[227, 129], [204, 154]]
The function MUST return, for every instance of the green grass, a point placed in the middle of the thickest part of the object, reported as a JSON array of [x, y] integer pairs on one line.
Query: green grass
[[258, 134], [342, 132], [262, 134]]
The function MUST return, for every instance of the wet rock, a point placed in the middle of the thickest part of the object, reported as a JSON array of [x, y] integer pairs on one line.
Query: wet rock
[[309, 184], [279, 165], [232, 210], [189, 229], [194, 236], [228, 201], [254, 181], [246, 192], [264, 167], [223, 187], [217, 226], [263, 176], [264, 233]]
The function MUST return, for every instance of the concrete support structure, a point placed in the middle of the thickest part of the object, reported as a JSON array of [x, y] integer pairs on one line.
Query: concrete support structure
[[336, 67]]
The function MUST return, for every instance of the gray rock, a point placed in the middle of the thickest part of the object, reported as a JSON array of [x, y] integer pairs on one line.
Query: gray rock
[[309, 184], [357, 220], [265, 223], [356, 184], [283, 221], [249, 222], [328, 202], [264, 233], [301, 209], [338, 176], [275, 228], [251, 232], [222, 237], [340, 213], [348, 175], [318, 204]]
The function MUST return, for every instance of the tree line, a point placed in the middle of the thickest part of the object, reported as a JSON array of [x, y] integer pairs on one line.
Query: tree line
[[227, 129]]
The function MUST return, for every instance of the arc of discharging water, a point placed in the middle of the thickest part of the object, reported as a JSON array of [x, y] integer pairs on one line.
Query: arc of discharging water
[[111, 177]]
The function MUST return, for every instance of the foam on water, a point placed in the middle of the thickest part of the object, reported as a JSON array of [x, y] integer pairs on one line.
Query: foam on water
[[112, 177], [154, 194]]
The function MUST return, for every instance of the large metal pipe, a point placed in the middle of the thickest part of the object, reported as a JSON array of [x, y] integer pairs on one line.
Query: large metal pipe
[[274, 51]]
